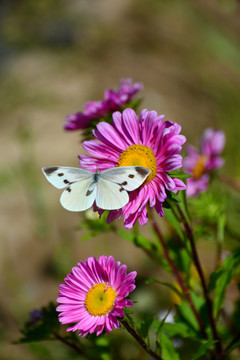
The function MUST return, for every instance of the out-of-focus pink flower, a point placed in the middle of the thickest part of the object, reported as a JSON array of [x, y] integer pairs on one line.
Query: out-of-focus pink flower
[[147, 142], [201, 164], [94, 295], [113, 100]]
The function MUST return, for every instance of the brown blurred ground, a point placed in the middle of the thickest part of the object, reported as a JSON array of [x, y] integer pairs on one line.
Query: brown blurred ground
[[54, 57]]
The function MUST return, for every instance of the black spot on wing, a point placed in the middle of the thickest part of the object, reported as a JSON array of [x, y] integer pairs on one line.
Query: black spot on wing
[[60, 174], [121, 189], [142, 171], [131, 176], [66, 181], [68, 189], [89, 192], [124, 183], [50, 170]]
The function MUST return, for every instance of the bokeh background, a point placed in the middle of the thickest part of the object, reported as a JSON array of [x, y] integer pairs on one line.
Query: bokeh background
[[57, 54]]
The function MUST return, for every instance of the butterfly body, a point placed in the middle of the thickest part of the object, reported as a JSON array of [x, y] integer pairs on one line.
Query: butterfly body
[[108, 188]]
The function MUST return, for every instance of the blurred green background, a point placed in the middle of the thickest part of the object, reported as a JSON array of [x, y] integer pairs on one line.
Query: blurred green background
[[54, 56]]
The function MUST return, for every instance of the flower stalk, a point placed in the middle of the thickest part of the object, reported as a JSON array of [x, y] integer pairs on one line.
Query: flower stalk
[[71, 345], [190, 236], [141, 342], [178, 277]]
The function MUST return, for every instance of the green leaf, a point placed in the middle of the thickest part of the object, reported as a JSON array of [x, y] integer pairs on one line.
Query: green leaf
[[172, 197], [220, 279], [137, 239], [157, 325], [221, 228], [173, 220], [181, 258], [183, 199], [187, 316], [230, 349], [201, 307], [169, 285], [145, 326], [206, 345], [178, 329], [179, 175], [168, 351]]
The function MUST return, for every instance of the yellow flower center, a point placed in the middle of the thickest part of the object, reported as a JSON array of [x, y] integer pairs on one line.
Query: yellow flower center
[[199, 169], [100, 299], [139, 155]]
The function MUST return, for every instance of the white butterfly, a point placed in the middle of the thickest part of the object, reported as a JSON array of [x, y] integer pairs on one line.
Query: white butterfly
[[109, 187]]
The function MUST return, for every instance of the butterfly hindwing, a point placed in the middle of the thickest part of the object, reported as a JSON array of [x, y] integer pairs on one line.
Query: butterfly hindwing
[[110, 195], [61, 176], [77, 197], [129, 177]]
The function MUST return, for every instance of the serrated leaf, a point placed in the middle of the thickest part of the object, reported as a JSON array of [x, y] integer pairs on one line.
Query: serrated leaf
[[43, 328], [168, 351], [220, 279]]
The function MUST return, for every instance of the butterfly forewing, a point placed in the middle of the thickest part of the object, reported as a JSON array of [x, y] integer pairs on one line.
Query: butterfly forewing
[[110, 195], [128, 177], [77, 197], [61, 176]]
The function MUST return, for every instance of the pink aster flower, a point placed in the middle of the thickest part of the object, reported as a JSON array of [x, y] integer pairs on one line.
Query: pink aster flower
[[113, 100], [148, 142], [94, 295], [201, 164]]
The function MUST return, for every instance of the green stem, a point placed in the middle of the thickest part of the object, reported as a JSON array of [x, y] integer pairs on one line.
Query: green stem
[[141, 342], [189, 233]]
